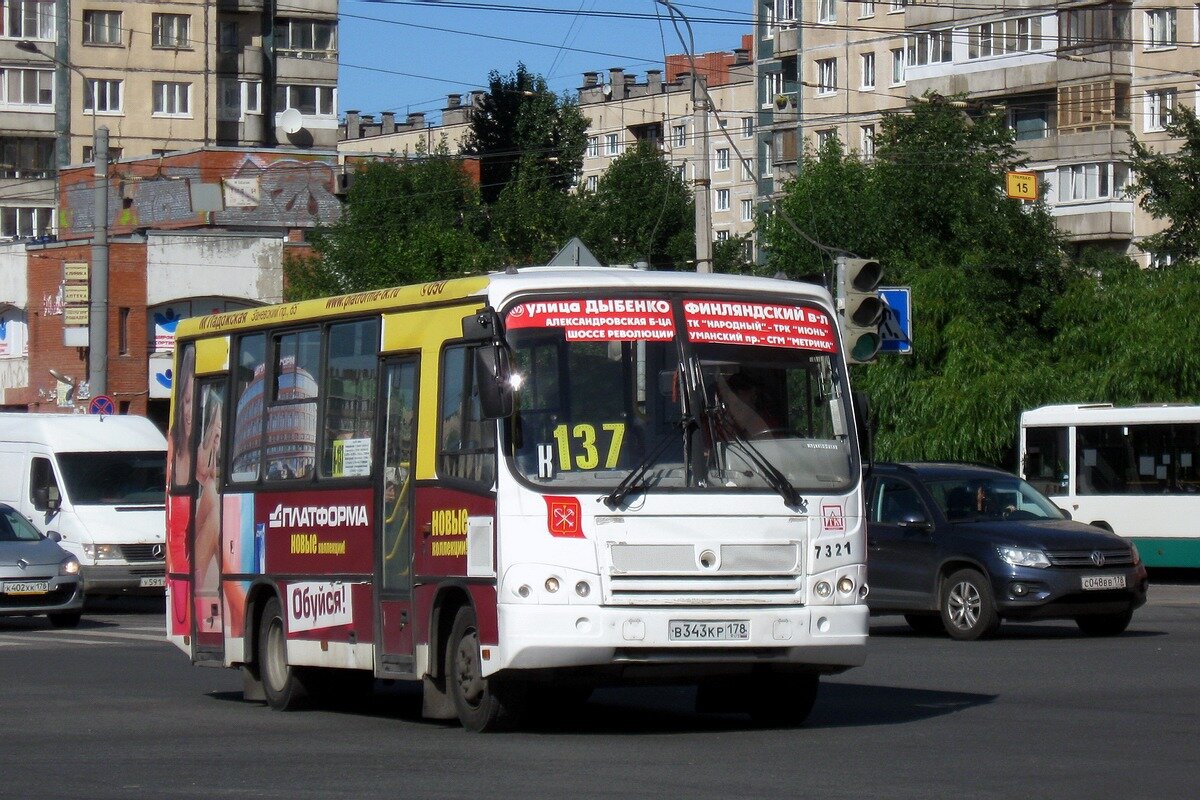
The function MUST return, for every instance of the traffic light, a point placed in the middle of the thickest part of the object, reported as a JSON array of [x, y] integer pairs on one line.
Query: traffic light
[[861, 307]]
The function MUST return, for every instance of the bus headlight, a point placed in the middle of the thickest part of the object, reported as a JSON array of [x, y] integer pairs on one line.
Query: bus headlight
[[823, 589], [845, 584], [552, 584], [583, 589]]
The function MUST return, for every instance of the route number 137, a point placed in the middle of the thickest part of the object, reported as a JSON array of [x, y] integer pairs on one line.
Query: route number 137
[[580, 441]]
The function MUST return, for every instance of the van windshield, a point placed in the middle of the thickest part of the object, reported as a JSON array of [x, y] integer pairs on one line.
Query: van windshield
[[106, 479]]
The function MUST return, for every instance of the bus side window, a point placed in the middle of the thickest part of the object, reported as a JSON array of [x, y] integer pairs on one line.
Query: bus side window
[[349, 387], [1045, 463], [466, 441]]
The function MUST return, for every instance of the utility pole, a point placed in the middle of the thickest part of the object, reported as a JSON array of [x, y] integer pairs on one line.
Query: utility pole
[[702, 183], [98, 294]]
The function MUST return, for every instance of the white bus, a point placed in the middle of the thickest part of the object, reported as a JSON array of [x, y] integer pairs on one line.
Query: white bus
[[512, 486], [1134, 471]]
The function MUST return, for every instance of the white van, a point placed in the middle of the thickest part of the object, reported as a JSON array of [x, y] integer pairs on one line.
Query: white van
[[96, 485]]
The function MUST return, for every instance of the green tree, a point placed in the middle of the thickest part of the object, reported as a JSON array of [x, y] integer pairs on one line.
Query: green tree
[[734, 256], [641, 211], [403, 223], [521, 122], [532, 218], [1170, 187]]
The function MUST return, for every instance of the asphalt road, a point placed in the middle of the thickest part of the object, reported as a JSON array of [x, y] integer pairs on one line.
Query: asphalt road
[[110, 711]]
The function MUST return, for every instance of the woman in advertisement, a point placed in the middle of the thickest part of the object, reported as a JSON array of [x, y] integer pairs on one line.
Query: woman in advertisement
[[208, 512]]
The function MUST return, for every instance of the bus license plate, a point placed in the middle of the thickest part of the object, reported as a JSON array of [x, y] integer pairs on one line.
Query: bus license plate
[[682, 630], [26, 587], [152, 583], [1103, 581]]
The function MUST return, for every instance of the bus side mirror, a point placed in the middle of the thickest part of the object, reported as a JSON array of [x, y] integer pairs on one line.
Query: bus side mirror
[[862, 416], [493, 378]]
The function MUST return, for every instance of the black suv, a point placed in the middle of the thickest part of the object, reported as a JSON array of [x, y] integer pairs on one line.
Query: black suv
[[960, 547]]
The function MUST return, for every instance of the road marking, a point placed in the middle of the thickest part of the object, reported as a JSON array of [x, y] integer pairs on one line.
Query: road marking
[[161, 637], [34, 638]]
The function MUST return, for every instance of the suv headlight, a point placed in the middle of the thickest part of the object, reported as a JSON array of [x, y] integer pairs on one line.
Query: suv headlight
[[1133, 551], [1023, 557], [68, 566]]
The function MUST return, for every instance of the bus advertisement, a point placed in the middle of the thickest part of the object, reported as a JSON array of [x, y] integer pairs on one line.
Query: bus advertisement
[[516, 487], [1134, 471]]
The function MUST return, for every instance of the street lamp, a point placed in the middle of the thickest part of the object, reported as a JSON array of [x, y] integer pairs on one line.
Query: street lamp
[[98, 295]]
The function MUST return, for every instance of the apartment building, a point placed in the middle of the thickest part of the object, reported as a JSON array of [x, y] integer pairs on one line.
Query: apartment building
[[1073, 80], [162, 77], [621, 111]]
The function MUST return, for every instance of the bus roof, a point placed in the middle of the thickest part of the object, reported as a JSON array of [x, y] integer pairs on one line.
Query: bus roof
[[82, 433], [1108, 414], [497, 288]]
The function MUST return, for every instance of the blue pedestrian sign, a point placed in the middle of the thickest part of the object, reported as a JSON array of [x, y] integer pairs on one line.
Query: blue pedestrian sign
[[101, 404], [896, 328]]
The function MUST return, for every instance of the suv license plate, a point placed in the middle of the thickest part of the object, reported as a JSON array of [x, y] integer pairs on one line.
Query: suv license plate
[[27, 587], [147, 583], [1103, 581], [682, 630]]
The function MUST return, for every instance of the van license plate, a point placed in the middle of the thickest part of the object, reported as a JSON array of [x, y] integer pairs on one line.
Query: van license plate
[[27, 587], [737, 630], [1103, 581], [152, 583]]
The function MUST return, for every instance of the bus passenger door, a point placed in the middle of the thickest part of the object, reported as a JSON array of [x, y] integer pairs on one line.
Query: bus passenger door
[[397, 434], [208, 615]]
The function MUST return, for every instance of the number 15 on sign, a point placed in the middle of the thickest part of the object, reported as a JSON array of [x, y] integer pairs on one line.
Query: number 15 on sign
[[1022, 185]]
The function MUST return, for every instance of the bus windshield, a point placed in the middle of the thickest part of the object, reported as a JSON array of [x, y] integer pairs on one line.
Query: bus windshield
[[713, 395], [120, 478]]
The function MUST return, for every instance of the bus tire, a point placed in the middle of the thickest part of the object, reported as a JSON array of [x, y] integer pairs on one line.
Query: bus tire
[[283, 684], [967, 606], [483, 705], [1105, 624], [782, 700]]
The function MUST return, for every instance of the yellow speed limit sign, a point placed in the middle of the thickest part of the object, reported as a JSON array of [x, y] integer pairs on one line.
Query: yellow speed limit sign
[[1022, 185]]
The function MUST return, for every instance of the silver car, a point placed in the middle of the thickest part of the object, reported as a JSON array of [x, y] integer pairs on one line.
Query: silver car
[[36, 575]]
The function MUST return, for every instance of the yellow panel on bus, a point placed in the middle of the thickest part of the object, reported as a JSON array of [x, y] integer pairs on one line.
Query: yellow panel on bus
[[212, 355]]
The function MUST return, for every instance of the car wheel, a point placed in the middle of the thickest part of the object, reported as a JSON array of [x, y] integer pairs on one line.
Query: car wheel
[[927, 624], [783, 700], [968, 610], [66, 619], [483, 705], [1105, 624], [283, 684]]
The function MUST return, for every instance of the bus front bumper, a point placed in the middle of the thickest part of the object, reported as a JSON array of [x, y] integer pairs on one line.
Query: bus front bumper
[[827, 638]]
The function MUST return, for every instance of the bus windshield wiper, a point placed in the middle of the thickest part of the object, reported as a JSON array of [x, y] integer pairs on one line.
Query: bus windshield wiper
[[631, 481], [770, 473]]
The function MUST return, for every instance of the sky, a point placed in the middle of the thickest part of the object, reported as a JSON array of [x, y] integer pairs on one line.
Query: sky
[[408, 55]]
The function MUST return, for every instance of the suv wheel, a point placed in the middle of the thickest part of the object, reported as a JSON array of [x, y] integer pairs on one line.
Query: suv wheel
[[968, 609]]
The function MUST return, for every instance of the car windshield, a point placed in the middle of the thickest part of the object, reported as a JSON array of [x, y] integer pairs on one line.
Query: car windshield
[[976, 499], [15, 528], [121, 478], [746, 393]]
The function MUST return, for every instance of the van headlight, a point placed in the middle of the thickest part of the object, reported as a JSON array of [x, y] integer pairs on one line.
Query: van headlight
[[100, 552], [68, 566], [1023, 557]]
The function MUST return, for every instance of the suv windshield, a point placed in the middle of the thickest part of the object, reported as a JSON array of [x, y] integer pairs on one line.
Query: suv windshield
[[122, 478], [978, 499], [705, 394]]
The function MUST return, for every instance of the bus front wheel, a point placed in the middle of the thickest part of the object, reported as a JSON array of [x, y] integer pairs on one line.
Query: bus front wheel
[[482, 705], [282, 683]]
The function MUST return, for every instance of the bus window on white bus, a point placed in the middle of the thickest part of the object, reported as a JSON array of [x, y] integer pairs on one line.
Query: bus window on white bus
[[1047, 453]]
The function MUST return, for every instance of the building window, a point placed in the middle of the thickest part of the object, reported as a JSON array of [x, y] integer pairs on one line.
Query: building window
[[767, 160], [747, 127], [102, 27], [313, 101], [747, 211], [1030, 121], [1160, 260], [826, 76], [252, 97], [171, 30], [103, 95], [114, 154], [25, 221], [1085, 182], [929, 47], [826, 138], [747, 169], [897, 67], [172, 99], [27, 87], [896, 6], [591, 183], [1098, 27], [867, 62], [678, 135], [306, 38], [1160, 27], [772, 87], [229, 99], [29, 19], [1004, 36], [681, 172], [722, 236], [612, 144], [722, 158], [827, 11], [593, 147], [1160, 107], [722, 202], [26, 157], [1092, 106], [785, 12], [866, 9], [123, 331], [227, 34], [866, 142]]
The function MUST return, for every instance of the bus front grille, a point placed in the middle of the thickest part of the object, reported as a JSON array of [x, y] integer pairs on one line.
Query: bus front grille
[[665, 590]]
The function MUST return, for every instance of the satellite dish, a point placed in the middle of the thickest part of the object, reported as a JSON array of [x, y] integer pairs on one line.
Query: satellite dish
[[291, 121], [607, 90]]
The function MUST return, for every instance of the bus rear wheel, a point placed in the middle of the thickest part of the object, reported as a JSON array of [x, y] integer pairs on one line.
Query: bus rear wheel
[[283, 684], [483, 705]]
